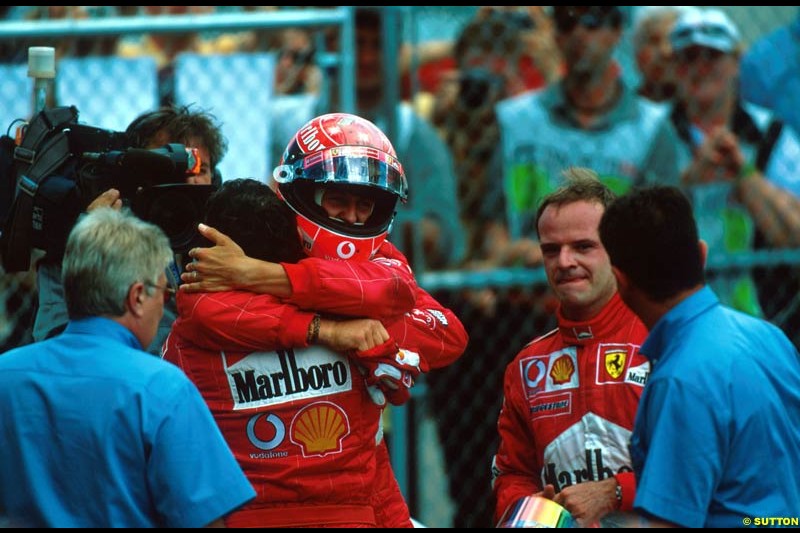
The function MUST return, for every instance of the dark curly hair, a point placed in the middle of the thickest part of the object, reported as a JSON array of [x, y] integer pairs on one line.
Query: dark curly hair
[[179, 124], [251, 214]]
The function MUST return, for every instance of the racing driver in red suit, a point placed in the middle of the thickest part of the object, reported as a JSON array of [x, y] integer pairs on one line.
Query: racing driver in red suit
[[341, 178], [570, 396]]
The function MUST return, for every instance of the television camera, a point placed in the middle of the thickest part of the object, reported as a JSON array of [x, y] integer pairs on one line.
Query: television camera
[[59, 166]]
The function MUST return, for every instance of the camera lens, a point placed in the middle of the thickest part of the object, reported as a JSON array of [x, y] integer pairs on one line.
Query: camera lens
[[176, 209], [478, 86]]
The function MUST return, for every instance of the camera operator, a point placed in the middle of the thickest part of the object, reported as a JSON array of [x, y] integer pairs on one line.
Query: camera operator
[[193, 128]]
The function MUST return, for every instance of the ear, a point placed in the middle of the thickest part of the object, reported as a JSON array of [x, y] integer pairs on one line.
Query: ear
[[623, 282], [134, 302], [703, 251]]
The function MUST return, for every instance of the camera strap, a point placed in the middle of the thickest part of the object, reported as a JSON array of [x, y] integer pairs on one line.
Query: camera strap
[[44, 148]]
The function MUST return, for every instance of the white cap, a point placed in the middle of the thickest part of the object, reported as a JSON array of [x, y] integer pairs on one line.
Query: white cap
[[710, 28], [41, 62]]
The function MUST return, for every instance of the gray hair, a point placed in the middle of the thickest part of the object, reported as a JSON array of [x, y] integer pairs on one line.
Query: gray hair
[[645, 16], [107, 251]]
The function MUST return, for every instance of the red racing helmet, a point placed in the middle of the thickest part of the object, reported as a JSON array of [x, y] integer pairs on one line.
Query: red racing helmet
[[347, 152]]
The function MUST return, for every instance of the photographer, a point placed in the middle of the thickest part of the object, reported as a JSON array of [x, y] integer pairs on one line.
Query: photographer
[[196, 129]]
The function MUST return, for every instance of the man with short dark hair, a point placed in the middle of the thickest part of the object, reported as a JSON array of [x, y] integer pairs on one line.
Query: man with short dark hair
[[266, 375], [717, 438]]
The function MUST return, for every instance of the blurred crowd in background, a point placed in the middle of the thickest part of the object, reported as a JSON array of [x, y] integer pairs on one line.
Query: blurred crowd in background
[[727, 91]]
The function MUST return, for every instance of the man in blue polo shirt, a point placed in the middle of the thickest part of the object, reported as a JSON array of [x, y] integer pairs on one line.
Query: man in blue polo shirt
[[716, 440], [95, 431]]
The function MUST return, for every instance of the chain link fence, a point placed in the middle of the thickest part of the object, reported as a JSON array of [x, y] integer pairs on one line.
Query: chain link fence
[[464, 399], [503, 310], [449, 429]]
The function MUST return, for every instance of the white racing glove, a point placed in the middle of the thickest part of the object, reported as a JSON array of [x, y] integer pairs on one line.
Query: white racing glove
[[393, 375]]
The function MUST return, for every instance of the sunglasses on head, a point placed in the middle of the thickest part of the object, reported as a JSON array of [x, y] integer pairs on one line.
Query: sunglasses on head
[[567, 18]]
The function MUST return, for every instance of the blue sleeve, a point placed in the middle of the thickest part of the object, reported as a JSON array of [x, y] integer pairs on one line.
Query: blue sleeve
[[756, 69], [679, 435], [770, 74], [191, 471]]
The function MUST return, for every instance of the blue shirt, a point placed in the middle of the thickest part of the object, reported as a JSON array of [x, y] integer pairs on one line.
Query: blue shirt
[[717, 435], [770, 72], [97, 433]]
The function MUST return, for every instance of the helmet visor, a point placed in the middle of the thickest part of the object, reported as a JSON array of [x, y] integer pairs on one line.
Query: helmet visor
[[348, 165]]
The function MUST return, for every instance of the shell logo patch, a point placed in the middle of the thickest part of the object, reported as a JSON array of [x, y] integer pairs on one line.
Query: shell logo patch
[[562, 370], [551, 372], [319, 429]]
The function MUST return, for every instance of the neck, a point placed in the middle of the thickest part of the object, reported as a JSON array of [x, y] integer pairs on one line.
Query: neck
[[650, 311], [593, 94], [658, 92], [710, 117], [579, 313]]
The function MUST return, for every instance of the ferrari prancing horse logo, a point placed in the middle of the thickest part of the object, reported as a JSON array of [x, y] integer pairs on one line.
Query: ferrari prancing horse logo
[[615, 363]]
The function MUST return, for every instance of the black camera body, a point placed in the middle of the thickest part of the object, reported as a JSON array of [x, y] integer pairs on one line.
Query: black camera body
[[130, 169], [177, 209], [144, 178], [67, 165]]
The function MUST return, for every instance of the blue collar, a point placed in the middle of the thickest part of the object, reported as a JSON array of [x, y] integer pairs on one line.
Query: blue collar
[[670, 325], [105, 327]]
